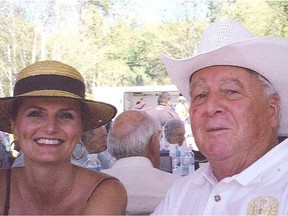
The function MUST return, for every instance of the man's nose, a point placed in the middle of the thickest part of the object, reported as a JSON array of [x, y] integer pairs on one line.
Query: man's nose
[[214, 104]]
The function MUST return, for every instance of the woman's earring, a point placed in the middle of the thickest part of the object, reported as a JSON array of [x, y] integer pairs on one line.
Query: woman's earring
[[82, 152], [16, 148]]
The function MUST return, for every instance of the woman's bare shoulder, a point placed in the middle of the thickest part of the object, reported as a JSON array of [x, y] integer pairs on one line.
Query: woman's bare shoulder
[[108, 197], [92, 179], [105, 191]]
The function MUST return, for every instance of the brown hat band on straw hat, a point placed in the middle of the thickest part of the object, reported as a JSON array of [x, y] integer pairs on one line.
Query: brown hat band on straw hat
[[49, 82], [57, 80]]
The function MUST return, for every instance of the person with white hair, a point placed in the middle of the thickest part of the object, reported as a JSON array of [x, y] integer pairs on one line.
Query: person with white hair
[[237, 88], [174, 137], [95, 142], [133, 141]]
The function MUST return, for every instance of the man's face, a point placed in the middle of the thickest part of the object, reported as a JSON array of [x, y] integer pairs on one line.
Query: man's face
[[230, 117], [97, 141], [178, 136]]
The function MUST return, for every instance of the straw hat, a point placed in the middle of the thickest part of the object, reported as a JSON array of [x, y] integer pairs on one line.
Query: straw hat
[[57, 80], [227, 42]]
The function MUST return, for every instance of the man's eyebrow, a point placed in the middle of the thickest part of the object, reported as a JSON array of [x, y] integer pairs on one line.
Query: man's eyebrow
[[197, 83], [225, 81], [233, 81]]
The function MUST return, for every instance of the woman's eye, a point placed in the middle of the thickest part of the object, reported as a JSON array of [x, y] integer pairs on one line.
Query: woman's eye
[[35, 113], [66, 116]]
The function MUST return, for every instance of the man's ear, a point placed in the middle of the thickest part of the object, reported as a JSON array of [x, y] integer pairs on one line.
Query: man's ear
[[154, 142], [154, 150], [274, 110]]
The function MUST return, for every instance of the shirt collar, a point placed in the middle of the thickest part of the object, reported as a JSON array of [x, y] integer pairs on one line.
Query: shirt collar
[[133, 161], [268, 161], [253, 173]]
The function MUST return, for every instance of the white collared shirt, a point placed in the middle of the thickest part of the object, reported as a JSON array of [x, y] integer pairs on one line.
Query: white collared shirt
[[261, 189], [146, 186]]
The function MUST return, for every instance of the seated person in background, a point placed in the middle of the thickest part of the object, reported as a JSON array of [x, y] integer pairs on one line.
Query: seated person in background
[[95, 142], [134, 141], [108, 125], [47, 116], [174, 136]]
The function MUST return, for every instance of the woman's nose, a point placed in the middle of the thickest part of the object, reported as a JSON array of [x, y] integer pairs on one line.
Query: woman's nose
[[51, 125]]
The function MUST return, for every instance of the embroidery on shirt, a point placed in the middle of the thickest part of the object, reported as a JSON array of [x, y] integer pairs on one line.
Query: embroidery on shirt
[[263, 205]]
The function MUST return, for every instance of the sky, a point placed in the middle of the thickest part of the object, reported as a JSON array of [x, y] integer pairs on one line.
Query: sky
[[153, 11]]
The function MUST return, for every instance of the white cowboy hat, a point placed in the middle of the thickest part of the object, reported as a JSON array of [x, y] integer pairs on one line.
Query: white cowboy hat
[[227, 42]]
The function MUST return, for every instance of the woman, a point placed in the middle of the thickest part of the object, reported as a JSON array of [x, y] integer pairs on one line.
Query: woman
[[47, 116]]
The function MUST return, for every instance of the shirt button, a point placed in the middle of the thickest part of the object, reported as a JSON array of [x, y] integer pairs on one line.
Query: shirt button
[[217, 198]]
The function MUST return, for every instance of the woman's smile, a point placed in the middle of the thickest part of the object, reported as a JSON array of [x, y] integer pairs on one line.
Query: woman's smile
[[44, 141]]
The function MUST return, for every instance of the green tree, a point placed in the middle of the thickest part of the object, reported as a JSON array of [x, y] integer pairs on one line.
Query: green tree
[[261, 17], [108, 44]]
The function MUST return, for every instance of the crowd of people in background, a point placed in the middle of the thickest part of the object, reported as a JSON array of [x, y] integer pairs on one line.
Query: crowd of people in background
[[128, 148], [133, 151]]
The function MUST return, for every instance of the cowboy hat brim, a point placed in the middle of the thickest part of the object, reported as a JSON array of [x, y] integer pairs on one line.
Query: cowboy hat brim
[[267, 56]]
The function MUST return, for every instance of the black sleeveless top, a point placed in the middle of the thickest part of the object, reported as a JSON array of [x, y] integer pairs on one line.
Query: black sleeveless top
[[8, 185]]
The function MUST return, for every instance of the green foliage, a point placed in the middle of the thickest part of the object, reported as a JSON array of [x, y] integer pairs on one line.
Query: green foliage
[[262, 17], [106, 43]]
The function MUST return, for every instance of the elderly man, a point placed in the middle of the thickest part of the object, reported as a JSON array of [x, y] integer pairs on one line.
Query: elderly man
[[174, 136], [133, 140], [95, 142], [237, 86]]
